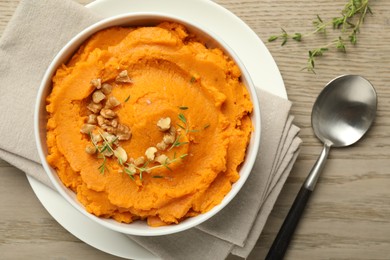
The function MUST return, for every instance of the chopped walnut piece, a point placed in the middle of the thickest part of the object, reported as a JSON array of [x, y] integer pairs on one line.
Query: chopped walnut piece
[[139, 161], [112, 102], [131, 169], [106, 88], [121, 154], [162, 159], [109, 137], [164, 124], [162, 146], [172, 131], [168, 139], [87, 128], [123, 77], [97, 83], [94, 107], [90, 149], [98, 96], [95, 138], [100, 120], [107, 113], [123, 132], [92, 119], [150, 153], [108, 129], [114, 122]]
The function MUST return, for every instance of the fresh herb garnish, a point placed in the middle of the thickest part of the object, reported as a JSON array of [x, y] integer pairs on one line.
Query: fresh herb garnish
[[352, 17], [102, 167], [106, 147], [132, 169], [177, 143], [127, 99], [185, 125], [182, 118]]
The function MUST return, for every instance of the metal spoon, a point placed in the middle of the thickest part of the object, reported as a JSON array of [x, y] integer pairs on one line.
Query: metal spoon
[[341, 115]]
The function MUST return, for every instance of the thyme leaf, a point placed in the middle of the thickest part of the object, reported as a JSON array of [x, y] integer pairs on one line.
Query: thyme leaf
[[102, 167]]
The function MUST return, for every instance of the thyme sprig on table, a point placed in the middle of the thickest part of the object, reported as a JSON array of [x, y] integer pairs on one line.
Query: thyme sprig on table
[[352, 17]]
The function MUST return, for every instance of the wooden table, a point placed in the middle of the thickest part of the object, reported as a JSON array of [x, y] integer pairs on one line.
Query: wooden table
[[348, 216]]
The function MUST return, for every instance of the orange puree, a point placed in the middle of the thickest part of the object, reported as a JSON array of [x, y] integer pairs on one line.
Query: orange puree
[[172, 74]]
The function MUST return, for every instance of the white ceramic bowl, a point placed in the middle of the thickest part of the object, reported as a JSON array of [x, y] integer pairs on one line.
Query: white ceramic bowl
[[137, 19]]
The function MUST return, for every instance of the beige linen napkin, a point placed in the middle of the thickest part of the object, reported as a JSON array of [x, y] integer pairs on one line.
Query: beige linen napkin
[[36, 33]]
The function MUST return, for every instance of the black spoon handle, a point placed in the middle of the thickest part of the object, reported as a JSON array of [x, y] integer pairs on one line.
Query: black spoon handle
[[282, 240]]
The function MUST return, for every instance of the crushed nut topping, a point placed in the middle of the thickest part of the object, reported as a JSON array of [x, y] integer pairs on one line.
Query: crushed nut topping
[[97, 83], [92, 119], [108, 129], [109, 137], [100, 120], [123, 132], [121, 154], [90, 149], [162, 146], [106, 89], [114, 123], [103, 120], [105, 131], [150, 153], [94, 107], [87, 128], [164, 124], [139, 161], [123, 77], [131, 168], [168, 139], [172, 131], [112, 102], [98, 96], [162, 159], [107, 113], [95, 138]]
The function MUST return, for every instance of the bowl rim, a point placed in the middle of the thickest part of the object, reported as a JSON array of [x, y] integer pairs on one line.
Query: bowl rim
[[40, 121]]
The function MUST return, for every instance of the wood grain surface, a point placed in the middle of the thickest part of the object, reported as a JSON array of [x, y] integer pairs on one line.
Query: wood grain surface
[[348, 216]]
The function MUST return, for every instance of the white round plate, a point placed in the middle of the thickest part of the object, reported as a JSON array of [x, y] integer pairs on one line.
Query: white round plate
[[253, 53]]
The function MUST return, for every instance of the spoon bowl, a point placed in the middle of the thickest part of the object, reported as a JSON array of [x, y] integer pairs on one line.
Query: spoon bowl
[[342, 114], [344, 110]]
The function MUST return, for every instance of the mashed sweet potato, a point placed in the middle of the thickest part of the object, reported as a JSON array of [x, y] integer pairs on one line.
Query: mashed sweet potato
[[148, 123]]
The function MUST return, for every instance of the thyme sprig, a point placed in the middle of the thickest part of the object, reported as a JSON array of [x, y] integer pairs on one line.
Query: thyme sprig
[[102, 149], [102, 167], [349, 23], [185, 125], [133, 169], [177, 143]]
